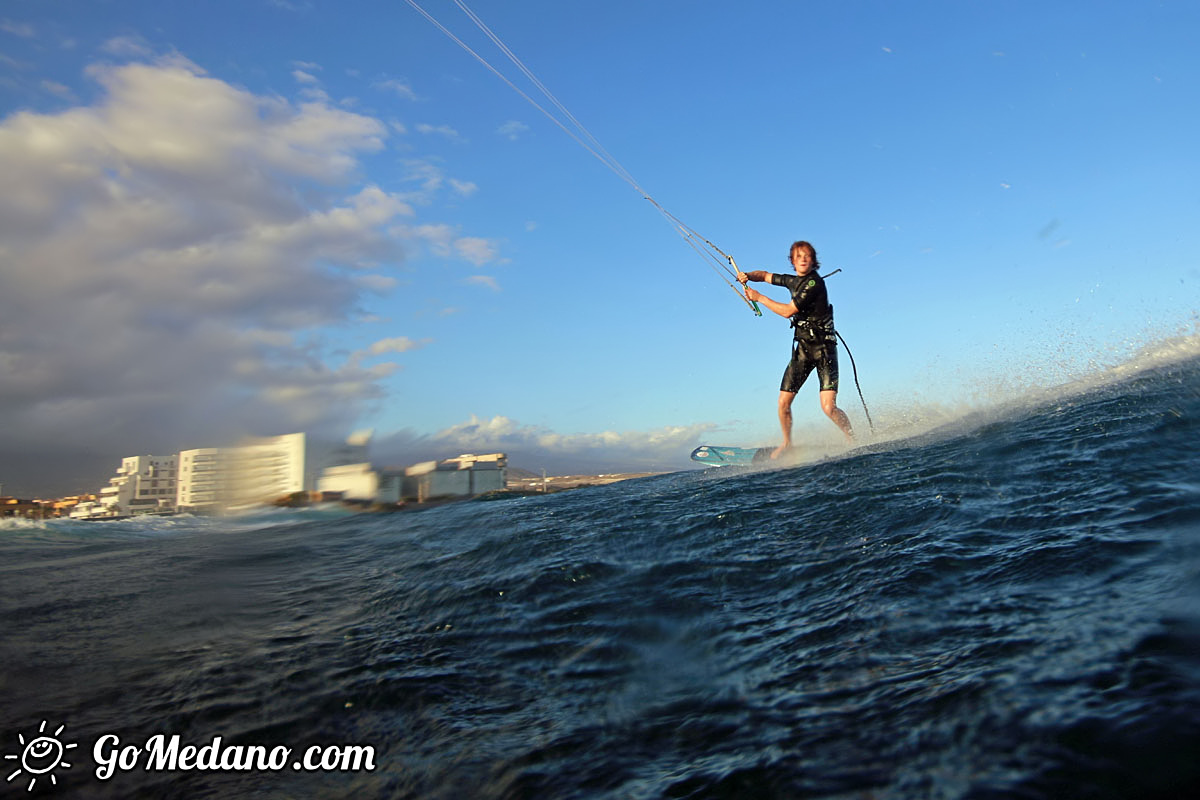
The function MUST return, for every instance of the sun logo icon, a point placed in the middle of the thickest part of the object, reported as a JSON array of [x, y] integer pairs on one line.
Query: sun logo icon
[[40, 756]]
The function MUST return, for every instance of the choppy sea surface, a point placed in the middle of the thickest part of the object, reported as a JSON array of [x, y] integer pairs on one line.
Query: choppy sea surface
[[1008, 606]]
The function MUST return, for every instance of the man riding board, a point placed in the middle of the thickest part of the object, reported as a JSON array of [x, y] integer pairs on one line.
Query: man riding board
[[814, 345]]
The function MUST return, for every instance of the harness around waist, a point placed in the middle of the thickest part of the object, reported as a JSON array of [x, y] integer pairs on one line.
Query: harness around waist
[[808, 329]]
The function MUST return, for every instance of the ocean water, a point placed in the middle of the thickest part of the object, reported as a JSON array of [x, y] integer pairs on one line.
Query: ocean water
[[1008, 606]]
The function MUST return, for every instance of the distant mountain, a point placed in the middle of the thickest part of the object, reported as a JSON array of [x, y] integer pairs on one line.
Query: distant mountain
[[516, 473]]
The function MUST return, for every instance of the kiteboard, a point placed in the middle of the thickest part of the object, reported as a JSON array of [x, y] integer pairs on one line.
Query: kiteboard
[[731, 456]]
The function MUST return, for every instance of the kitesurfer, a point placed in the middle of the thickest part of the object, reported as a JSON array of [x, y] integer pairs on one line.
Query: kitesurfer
[[814, 345]]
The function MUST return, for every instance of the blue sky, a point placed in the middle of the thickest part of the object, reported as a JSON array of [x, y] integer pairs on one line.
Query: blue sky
[[263, 216]]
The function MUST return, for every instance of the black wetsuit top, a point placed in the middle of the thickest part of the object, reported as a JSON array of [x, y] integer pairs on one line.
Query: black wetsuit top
[[814, 315], [815, 345]]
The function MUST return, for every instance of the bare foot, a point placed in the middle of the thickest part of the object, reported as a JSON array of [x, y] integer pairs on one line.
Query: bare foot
[[779, 451]]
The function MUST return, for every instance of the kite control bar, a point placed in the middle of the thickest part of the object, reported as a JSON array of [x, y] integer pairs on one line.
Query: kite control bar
[[751, 303]]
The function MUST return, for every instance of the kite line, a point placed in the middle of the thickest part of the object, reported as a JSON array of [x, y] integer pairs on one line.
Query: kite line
[[720, 261]]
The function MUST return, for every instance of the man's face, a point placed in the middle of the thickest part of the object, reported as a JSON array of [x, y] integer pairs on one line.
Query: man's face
[[802, 260]]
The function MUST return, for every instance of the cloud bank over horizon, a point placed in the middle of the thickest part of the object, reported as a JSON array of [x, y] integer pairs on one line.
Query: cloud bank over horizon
[[534, 447], [171, 258]]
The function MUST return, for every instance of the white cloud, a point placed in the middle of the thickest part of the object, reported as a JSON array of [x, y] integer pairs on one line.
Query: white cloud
[[58, 89], [399, 87], [429, 176], [398, 344], [21, 29], [127, 47], [168, 256], [376, 283], [443, 241], [465, 188], [439, 130], [295, 6], [484, 280], [512, 130], [477, 250], [311, 88], [439, 237]]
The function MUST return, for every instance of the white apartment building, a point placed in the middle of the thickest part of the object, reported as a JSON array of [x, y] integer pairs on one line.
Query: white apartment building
[[142, 485], [255, 472], [263, 470], [198, 480]]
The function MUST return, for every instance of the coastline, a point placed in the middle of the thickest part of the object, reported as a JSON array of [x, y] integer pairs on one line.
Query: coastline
[[530, 487], [559, 483], [524, 484]]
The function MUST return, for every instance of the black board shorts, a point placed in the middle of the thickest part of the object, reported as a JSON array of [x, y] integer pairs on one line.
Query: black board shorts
[[807, 355]]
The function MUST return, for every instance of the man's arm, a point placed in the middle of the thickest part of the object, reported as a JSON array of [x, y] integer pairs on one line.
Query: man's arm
[[785, 310], [758, 276]]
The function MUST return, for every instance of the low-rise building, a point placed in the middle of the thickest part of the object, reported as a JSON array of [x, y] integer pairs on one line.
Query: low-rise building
[[355, 483], [464, 476], [30, 509]]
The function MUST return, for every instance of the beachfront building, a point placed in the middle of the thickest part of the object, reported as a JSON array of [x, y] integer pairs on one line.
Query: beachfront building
[[465, 476], [265, 470], [269, 470], [352, 483], [257, 471], [29, 509], [141, 485], [391, 486], [198, 476]]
